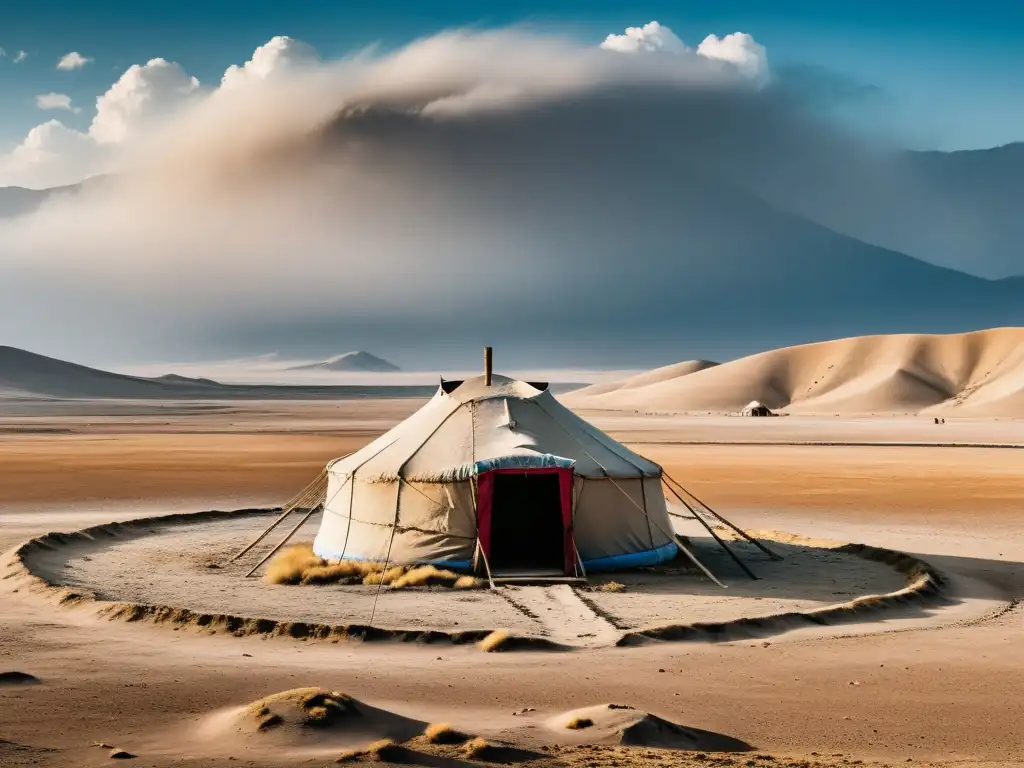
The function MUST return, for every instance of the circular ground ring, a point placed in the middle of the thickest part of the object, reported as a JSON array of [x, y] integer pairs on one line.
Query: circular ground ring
[[71, 567]]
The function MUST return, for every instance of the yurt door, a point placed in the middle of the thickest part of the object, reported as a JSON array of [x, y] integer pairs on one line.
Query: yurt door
[[525, 520]]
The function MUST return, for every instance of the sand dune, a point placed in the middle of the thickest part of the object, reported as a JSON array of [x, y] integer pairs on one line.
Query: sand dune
[[308, 717], [622, 724], [970, 374], [654, 376]]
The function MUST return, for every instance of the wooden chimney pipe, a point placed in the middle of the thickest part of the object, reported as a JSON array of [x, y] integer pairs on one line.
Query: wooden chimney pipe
[[487, 366]]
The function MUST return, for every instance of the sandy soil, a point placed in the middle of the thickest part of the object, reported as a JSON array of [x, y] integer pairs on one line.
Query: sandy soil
[[935, 694]]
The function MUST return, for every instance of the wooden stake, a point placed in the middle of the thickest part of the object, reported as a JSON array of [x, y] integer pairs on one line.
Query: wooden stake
[[284, 541], [487, 565], [258, 539], [695, 561], [711, 530], [487, 366], [740, 531]]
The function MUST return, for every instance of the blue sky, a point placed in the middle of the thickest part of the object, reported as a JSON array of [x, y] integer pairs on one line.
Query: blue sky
[[950, 74]]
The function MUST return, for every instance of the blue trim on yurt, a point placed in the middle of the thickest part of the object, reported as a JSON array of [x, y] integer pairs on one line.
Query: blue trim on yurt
[[662, 554], [455, 565], [538, 461]]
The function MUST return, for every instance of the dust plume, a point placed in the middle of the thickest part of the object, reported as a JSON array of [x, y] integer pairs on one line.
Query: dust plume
[[523, 180]]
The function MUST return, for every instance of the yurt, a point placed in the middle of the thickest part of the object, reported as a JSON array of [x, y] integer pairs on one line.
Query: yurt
[[495, 474], [756, 408]]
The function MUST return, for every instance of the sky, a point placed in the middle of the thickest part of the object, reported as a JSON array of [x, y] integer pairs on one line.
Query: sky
[[935, 74], [421, 180]]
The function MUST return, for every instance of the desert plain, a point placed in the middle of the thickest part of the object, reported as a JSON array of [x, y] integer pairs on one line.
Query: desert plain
[[935, 685]]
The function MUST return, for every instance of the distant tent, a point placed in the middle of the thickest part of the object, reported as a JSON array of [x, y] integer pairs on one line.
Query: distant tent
[[756, 408], [494, 475]]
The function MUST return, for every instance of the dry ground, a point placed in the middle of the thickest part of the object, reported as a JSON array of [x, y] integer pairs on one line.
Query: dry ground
[[939, 695]]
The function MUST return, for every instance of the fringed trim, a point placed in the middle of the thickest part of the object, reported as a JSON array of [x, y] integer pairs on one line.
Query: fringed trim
[[467, 472]]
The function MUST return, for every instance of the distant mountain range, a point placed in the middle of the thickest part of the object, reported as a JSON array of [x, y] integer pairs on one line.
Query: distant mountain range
[[729, 268], [25, 374], [954, 209], [16, 201], [362, 362]]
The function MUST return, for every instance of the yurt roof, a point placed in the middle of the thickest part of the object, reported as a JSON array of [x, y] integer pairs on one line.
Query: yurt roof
[[476, 424]]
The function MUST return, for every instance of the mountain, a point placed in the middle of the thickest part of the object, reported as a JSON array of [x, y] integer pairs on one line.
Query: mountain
[[26, 374], [16, 201], [174, 378], [955, 209], [612, 274], [362, 362], [970, 374]]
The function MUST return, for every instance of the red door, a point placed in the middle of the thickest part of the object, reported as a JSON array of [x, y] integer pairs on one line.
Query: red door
[[524, 518]]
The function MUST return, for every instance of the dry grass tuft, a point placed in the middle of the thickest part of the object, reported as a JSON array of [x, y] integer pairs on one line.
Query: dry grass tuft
[[425, 575], [387, 577], [612, 586], [579, 723], [494, 641], [299, 565], [442, 733], [346, 570], [381, 751], [289, 566], [477, 749]]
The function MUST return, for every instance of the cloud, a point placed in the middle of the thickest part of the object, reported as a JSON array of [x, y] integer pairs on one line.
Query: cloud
[[651, 37], [55, 101], [73, 60], [19, 57], [50, 155], [468, 185], [277, 57], [143, 95], [54, 154], [738, 49], [2, 53]]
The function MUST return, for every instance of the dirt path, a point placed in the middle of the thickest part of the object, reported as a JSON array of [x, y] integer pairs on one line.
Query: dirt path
[[565, 618]]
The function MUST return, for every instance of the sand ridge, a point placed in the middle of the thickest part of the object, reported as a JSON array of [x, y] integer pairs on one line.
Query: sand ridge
[[556, 618], [971, 374]]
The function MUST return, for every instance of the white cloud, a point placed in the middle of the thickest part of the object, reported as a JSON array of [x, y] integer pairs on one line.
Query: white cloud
[[73, 60], [738, 49], [274, 58], [651, 37], [447, 66], [51, 155], [2, 53], [141, 98], [55, 101], [20, 56], [143, 94]]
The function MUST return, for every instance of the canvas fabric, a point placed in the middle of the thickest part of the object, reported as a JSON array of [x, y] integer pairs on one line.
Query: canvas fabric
[[409, 497]]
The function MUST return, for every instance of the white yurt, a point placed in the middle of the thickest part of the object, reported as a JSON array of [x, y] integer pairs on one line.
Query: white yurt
[[496, 474], [756, 408]]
